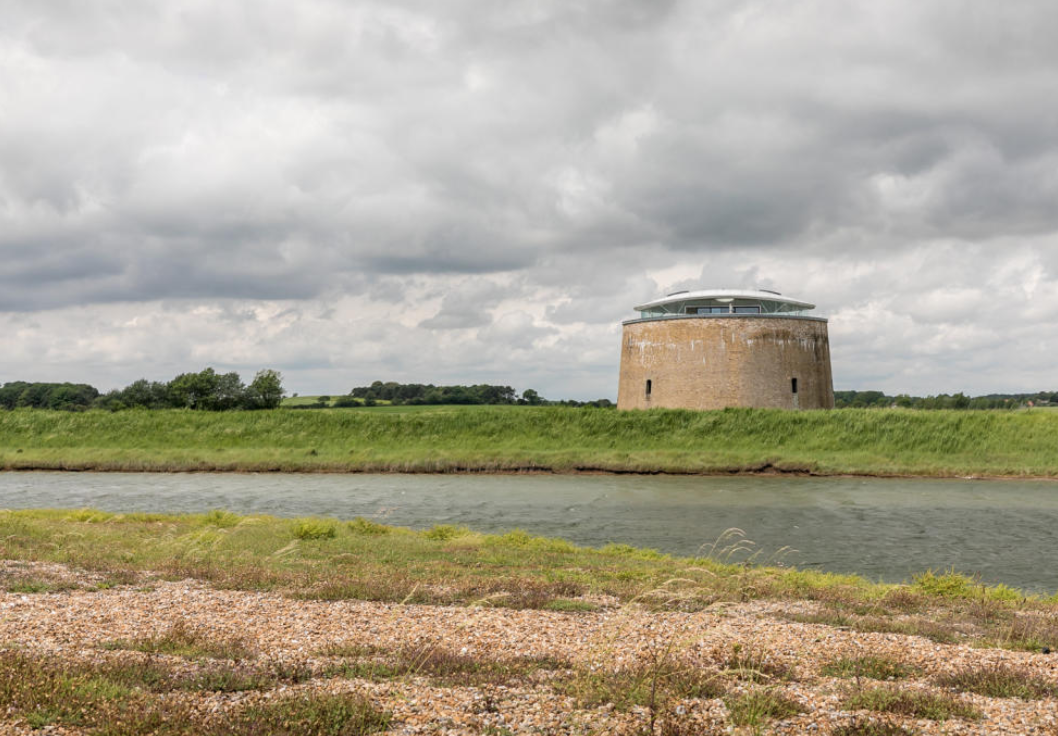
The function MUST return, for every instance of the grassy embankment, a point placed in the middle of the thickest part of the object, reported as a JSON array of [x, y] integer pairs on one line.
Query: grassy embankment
[[332, 560], [448, 439]]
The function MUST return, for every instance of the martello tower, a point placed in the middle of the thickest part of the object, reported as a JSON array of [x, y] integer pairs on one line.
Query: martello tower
[[716, 348]]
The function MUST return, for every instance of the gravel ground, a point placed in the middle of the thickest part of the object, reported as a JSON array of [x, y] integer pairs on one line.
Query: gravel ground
[[73, 625]]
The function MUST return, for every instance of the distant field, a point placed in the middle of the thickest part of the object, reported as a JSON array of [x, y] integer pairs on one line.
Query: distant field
[[560, 439]]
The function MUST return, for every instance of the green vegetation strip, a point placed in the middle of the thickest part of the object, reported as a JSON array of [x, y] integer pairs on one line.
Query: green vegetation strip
[[328, 559], [514, 438], [129, 699]]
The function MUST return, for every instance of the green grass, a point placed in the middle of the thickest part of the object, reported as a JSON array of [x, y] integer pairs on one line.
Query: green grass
[[484, 438], [326, 559]]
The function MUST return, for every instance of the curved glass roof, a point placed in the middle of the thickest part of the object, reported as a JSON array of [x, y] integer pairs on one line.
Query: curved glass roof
[[772, 301]]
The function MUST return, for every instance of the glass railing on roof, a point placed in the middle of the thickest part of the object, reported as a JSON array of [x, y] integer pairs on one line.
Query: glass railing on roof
[[684, 314]]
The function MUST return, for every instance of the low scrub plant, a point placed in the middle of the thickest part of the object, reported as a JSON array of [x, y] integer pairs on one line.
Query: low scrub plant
[[445, 532], [315, 529], [362, 526]]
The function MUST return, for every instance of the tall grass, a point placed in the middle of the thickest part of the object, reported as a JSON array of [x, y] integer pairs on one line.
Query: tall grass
[[447, 439]]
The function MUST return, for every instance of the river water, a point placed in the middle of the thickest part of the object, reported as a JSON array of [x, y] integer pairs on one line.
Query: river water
[[1003, 531]]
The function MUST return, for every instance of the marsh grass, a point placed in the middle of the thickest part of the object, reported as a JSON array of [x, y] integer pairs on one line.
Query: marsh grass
[[915, 703], [452, 439], [999, 681]]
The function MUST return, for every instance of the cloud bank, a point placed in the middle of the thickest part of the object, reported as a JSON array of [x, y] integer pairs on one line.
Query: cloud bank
[[449, 192]]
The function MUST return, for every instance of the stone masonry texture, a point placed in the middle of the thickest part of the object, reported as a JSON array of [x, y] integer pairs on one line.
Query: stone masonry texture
[[716, 362]]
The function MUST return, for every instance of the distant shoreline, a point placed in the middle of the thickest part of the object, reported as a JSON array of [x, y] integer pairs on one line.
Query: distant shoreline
[[530, 471]]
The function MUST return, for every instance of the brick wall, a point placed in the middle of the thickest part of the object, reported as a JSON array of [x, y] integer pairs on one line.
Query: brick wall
[[715, 362]]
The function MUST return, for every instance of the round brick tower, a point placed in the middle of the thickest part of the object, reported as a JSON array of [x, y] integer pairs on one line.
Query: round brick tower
[[716, 348]]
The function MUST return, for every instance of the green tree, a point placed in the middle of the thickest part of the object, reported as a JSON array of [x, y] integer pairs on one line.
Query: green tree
[[266, 390], [194, 390]]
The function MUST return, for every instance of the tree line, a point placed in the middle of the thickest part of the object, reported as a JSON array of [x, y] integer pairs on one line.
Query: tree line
[[879, 399], [427, 393], [206, 390]]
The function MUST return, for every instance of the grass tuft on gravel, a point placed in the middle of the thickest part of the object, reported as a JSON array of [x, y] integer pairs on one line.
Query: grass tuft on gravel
[[914, 703], [183, 641], [871, 728], [132, 699], [760, 705], [434, 661], [999, 681]]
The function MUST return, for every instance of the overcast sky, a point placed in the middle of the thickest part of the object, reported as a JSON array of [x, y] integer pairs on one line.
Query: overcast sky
[[450, 191]]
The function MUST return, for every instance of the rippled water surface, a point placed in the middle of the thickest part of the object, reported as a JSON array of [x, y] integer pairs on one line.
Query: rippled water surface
[[1004, 531]]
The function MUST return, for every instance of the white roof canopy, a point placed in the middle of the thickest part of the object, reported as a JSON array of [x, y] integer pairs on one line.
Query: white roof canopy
[[726, 294]]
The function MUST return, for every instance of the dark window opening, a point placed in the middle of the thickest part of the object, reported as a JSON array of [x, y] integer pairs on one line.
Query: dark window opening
[[793, 385], [650, 384]]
